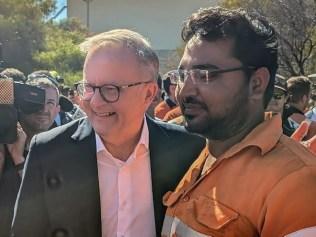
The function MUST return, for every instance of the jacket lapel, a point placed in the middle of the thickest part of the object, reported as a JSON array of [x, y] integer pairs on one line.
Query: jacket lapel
[[158, 147]]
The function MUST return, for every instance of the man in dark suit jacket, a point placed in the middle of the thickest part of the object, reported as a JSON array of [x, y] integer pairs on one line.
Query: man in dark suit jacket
[[62, 192]]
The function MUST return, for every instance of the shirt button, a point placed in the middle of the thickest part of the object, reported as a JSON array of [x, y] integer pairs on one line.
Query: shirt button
[[186, 198]]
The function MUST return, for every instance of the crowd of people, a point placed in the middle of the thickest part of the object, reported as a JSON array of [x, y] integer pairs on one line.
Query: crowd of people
[[221, 146]]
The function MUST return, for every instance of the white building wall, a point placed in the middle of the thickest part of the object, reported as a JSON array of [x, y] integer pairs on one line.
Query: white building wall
[[158, 20]]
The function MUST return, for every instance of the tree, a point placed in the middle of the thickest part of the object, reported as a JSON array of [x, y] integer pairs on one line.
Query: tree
[[295, 23], [21, 27], [61, 50]]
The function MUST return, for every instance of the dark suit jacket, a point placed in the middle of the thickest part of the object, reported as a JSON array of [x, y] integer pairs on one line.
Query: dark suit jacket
[[9, 187], [60, 191]]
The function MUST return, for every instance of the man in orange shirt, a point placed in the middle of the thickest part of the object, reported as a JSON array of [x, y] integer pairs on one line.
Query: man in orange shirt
[[169, 101], [250, 180]]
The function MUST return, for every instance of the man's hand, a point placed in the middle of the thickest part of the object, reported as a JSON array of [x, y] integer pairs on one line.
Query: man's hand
[[17, 148], [301, 132]]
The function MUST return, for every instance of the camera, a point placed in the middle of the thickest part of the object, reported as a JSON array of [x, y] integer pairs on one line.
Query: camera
[[17, 97]]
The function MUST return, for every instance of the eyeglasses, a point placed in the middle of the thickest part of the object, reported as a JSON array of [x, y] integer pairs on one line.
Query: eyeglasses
[[278, 96], [109, 93], [200, 76]]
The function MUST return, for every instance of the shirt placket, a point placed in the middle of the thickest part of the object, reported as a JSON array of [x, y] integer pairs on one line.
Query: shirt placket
[[123, 193]]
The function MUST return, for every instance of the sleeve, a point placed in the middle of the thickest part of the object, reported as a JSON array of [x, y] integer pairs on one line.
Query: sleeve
[[290, 207], [161, 109], [29, 210]]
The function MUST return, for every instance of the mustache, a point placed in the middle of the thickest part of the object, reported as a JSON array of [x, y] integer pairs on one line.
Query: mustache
[[190, 100]]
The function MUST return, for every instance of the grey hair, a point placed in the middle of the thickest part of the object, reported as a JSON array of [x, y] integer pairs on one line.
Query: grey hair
[[129, 39]]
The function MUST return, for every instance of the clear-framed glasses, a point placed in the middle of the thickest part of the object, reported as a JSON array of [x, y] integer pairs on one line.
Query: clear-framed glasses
[[200, 76], [109, 93]]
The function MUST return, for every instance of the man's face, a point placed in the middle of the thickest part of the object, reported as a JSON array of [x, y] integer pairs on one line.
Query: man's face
[[42, 120], [117, 66], [277, 101], [218, 109]]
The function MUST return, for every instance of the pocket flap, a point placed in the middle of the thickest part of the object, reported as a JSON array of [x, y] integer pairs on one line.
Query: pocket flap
[[213, 214], [171, 198]]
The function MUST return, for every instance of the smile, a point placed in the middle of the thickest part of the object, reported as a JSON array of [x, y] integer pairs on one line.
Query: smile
[[105, 114]]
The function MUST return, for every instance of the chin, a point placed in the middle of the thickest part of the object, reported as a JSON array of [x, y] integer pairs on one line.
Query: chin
[[195, 127]]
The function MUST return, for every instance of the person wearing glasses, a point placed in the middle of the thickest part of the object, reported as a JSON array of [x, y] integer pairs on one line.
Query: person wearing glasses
[[279, 97], [105, 175], [250, 180]]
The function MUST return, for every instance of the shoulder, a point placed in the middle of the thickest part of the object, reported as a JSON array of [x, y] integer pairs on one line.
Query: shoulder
[[62, 132]]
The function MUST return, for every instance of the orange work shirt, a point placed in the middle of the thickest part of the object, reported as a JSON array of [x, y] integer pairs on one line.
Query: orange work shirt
[[161, 109], [264, 186], [172, 114]]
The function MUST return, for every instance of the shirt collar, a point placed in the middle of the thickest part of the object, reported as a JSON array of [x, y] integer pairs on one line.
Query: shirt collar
[[144, 139], [264, 136]]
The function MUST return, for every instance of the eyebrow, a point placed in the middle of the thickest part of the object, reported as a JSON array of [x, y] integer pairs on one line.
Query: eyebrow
[[51, 100], [201, 66]]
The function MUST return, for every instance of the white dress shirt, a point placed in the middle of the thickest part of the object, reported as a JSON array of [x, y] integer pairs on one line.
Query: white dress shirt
[[126, 191]]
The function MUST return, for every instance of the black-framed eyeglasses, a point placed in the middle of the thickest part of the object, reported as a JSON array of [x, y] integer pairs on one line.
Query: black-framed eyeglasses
[[201, 76], [109, 93]]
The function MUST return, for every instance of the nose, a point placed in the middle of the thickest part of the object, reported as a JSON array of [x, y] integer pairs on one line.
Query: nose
[[96, 100], [44, 109], [188, 88]]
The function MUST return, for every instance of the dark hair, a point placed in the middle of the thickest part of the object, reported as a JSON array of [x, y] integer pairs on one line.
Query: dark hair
[[166, 85], [255, 41], [15, 74], [298, 87]]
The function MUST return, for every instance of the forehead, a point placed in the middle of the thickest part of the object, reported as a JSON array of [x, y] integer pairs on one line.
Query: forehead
[[201, 52], [111, 64], [50, 93]]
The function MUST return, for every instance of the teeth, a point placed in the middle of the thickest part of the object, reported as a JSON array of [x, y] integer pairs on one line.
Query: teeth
[[105, 114]]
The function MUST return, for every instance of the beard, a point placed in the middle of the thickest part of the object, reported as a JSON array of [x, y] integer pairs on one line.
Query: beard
[[220, 126]]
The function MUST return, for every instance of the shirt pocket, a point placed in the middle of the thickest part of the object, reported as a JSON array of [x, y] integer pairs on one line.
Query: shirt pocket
[[212, 214], [216, 219]]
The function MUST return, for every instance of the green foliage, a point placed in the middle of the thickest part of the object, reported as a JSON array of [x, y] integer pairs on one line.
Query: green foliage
[[21, 32], [61, 50], [29, 42]]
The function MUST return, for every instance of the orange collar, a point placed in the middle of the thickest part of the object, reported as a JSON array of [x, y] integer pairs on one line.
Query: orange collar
[[264, 136]]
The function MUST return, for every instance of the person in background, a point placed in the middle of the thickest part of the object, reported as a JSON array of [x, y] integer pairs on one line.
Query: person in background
[[250, 180], [157, 99], [299, 91], [279, 98], [76, 112], [169, 100], [15, 74], [14, 154]]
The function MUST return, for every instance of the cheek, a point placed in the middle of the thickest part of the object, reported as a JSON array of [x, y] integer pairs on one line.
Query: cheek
[[85, 105]]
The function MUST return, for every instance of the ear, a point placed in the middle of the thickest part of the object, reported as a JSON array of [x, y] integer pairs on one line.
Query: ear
[[151, 92], [258, 83], [305, 99]]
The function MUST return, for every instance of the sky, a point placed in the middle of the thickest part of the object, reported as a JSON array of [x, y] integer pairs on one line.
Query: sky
[[60, 4]]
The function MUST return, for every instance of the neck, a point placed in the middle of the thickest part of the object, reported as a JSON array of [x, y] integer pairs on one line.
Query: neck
[[298, 106], [123, 146], [218, 147]]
